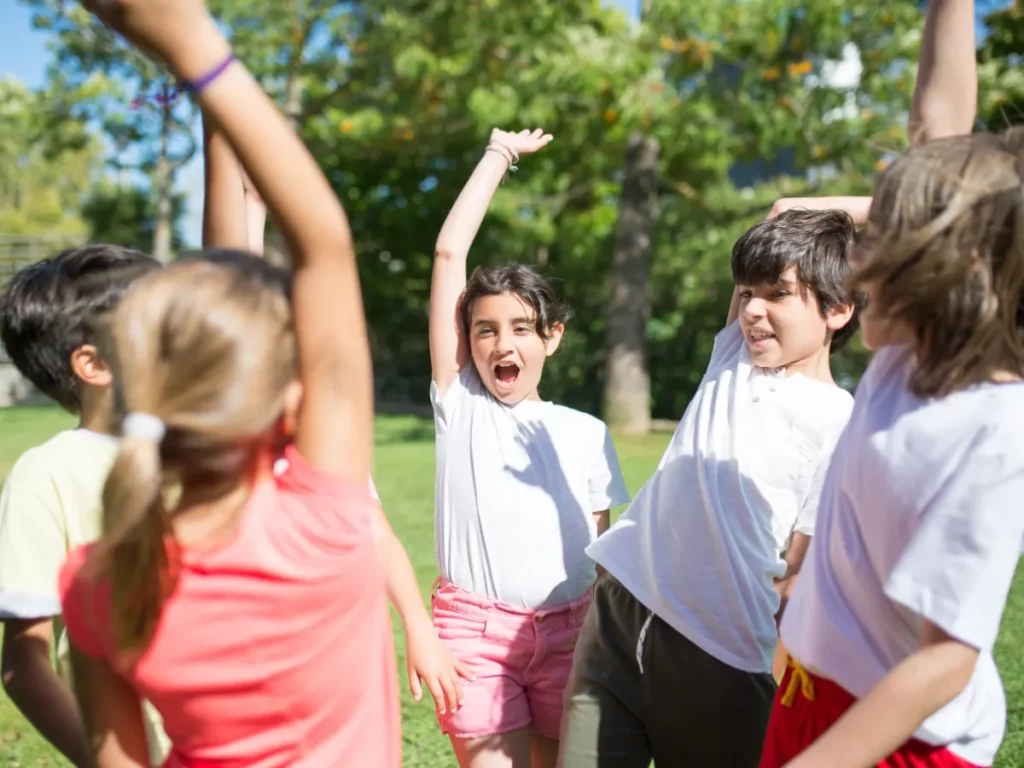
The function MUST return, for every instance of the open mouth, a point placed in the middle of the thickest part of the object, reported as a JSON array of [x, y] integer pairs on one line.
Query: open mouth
[[759, 337], [506, 374]]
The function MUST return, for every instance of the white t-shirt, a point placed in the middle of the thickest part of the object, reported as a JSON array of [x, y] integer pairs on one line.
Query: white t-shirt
[[921, 519], [516, 490], [702, 543]]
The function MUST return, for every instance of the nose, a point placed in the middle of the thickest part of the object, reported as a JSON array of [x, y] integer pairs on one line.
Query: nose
[[755, 308], [503, 344]]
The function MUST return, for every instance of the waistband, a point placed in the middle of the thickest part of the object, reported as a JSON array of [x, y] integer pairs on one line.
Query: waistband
[[447, 594]]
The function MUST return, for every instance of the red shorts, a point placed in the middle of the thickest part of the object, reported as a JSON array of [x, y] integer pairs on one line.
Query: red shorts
[[798, 721]]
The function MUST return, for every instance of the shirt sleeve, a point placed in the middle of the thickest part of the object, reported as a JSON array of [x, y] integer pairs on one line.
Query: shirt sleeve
[[318, 508], [957, 569], [33, 542], [807, 517], [728, 343], [607, 488], [466, 384]]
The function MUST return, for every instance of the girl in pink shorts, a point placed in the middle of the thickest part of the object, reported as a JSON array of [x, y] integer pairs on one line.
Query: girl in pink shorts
[[523, 486]]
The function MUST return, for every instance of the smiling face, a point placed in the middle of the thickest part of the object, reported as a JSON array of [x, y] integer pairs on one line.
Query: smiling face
[[783, 325], [507, 350]]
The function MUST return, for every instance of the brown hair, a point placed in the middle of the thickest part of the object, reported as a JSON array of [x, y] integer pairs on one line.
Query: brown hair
[[818, 243], [209, 349], [948, 257], [522, 281]]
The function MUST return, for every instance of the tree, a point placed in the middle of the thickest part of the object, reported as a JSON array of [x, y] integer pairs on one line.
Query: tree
[[1001, 78], [739, 93], [46, 164], [128, 216], [106, 83]]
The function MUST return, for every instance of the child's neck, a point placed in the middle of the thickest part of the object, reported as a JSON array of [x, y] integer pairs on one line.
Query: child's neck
[[817, 366], [96, 405]]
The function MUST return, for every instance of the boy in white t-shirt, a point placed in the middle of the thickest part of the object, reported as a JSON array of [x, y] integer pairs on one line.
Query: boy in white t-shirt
[[674, 661], [51, 500]]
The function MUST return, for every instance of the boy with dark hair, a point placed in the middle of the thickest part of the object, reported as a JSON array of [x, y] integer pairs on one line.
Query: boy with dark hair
[[51, 500], [675, 657]]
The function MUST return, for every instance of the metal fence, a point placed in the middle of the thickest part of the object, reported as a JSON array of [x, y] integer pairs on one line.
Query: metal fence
[[17, 251]]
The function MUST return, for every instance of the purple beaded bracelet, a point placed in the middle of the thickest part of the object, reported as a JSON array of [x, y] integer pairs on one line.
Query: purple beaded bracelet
[[196, 86]]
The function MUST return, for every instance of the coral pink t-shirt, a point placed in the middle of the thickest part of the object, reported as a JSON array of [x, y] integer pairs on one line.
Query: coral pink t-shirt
[[274, 650]]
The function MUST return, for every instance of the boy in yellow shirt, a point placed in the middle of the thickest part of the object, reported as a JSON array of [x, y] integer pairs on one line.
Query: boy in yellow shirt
[[51, 500]]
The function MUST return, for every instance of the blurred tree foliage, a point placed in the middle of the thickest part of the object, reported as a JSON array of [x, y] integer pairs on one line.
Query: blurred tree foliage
[[748, 102]]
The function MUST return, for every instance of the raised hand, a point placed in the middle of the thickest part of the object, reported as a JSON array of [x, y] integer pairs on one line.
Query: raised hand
[[525, 142]]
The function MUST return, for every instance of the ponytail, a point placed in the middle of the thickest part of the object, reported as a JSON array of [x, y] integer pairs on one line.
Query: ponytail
[[137, 542]]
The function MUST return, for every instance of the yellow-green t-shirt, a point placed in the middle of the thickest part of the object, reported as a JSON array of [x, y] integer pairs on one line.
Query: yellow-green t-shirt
[[52, 502]]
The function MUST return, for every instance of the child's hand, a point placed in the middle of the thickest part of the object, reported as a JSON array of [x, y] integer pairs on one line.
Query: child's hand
[[168, 28], [427, 660], [526, 142]]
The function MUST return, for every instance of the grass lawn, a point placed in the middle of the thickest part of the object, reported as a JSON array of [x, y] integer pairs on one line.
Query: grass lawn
[[404, 476]]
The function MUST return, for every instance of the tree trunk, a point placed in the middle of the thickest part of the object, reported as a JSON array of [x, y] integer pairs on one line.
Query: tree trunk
[[163, 184], [627, 393]]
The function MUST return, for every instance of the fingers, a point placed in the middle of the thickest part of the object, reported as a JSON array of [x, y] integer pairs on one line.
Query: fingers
[[452, 692], [439, 695], [464, 670], [414, 684]]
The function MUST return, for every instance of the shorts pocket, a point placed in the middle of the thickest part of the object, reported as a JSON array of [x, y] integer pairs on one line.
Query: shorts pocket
[[456, 627]]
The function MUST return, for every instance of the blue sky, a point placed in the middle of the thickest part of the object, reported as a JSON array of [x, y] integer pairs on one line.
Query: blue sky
[[23, 55]]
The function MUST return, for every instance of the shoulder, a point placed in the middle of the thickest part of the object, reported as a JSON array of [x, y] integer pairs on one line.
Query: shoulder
[[64, 453], [822, 409]]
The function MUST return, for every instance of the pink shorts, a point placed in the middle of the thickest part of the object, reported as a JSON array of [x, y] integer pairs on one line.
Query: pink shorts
[[521, 659]]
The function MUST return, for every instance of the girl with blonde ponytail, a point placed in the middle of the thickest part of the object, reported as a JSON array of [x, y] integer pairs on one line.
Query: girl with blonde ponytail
[[248, 607]]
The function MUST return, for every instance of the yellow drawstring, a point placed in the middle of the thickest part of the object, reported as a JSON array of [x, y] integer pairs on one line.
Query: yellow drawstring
[[800, 678]]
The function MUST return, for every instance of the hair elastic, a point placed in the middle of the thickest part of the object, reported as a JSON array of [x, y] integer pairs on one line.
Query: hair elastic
[[196, 86], [144, 426]]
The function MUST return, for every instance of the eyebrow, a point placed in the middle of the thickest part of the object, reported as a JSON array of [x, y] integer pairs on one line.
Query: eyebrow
[[514, 321]]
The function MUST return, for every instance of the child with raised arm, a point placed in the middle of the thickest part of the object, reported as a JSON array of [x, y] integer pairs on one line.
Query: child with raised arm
[[234, 217], [674, 661], [523, 486], [892, 665], [248, 607], [51, 499]]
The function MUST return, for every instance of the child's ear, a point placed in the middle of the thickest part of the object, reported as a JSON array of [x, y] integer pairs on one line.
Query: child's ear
[[554, 338], [89, 367], [838, 316]]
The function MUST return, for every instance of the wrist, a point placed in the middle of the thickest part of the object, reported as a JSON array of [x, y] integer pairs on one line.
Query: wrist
[[199, 54]]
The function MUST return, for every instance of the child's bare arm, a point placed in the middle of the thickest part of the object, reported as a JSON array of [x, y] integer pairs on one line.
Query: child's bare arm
[[335, 424], [224, 205], [112, 712], [256, 215], [893, 710], [37, 691], [448, 350], [427, 660], [946, 94]]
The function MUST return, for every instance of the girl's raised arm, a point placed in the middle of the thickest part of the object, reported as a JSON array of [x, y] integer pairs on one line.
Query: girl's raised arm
[[336, 418], [946, 94], [224, 214], [448, 348]]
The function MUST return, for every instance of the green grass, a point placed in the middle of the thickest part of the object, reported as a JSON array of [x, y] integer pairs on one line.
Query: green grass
[[405, 478]]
